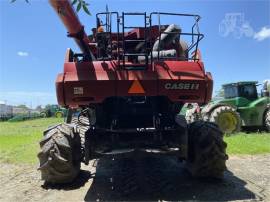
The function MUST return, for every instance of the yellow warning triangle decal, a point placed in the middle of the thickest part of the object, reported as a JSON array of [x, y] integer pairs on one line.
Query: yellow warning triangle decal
[[136, 87]]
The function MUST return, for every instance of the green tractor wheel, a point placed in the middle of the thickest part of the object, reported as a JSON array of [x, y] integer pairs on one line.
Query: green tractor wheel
[[43, 114], [267, 120], [227, 119], [59, 114]]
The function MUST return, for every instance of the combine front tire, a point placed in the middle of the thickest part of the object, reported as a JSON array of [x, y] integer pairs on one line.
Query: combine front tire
[[206, 150], [227, 118], [60, 154]]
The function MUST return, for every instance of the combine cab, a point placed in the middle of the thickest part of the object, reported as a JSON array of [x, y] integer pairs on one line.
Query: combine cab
[[130, 83]]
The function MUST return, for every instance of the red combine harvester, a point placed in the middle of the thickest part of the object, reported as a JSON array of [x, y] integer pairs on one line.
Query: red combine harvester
[[129, 83]]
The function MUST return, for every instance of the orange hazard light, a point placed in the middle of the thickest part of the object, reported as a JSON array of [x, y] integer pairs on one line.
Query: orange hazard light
[[136, 87]]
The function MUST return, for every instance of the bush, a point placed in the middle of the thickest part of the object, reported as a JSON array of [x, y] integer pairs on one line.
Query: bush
[[23, 117]]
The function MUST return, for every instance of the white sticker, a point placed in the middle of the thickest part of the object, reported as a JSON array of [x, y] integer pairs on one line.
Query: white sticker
[[78, 90]]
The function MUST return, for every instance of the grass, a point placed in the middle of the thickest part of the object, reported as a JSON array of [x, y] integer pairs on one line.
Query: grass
[[19, 141], [252, 143]]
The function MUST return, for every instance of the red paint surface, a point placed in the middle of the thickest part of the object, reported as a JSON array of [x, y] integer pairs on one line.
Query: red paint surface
[[100, 80]]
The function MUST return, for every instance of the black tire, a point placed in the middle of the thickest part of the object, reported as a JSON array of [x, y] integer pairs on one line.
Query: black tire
[[192, 116], [43, 114], [206, 150], [60, 155], [267, 120], [59, 114], [224, 126]]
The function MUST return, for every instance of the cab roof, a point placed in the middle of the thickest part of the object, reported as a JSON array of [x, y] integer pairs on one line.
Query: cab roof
[[240, 83]]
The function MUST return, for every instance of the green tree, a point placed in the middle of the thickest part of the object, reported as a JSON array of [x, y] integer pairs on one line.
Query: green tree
[[81, 4], [219, 93], [39, 108], [22, 106]]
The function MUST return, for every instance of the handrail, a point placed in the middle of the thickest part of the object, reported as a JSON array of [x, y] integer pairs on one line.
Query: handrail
[[194, 43], [108, 25], [195, 34]]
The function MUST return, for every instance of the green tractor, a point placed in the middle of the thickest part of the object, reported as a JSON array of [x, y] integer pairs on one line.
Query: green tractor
[[53, 111], [240, 107]]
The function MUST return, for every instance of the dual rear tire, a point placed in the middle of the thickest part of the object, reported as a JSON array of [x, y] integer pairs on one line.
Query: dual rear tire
[[206, 150], [60, 155]]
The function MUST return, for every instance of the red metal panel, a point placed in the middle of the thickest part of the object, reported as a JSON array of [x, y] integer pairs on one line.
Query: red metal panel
[[183, 77], [125, 78], [180, 66], [96, 83], [209, 87], [59, 85], [92, 82]]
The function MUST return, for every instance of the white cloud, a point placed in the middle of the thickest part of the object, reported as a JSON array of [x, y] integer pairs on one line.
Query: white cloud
[[264, 33], [22, 53]]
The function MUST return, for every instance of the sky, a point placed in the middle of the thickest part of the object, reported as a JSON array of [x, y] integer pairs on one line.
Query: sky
[[33, 42]]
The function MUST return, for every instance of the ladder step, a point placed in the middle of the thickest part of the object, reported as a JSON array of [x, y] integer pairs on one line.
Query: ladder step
[[132, 27], [135, 54], [132, 66], [171, 32], [135, 40]]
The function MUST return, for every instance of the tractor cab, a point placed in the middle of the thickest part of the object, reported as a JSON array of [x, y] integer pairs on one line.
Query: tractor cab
[[245, 90], [241, 107]]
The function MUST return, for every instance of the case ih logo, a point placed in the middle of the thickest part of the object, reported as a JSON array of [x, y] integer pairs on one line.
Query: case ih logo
[[182, 86]]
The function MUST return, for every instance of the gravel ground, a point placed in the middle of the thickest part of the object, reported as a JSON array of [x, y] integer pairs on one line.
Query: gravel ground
[[141, 179]]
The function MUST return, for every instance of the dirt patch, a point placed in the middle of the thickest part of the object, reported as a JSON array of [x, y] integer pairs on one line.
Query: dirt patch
[[141, 179]]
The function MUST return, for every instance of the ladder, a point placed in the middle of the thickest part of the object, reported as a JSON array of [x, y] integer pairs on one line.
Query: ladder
[[126, 41]]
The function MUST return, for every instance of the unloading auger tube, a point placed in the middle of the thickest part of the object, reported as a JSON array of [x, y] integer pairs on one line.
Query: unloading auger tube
[[69, 18]]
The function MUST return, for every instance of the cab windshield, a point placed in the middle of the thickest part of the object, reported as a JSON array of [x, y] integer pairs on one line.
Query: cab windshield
[[230, 92], [247, 91]]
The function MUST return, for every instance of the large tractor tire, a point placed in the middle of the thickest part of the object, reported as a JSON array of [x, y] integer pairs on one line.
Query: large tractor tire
[[192, 115], [43, 114], [227, 118], [59, 114], [267, 120], [206, 150], [60, 155]]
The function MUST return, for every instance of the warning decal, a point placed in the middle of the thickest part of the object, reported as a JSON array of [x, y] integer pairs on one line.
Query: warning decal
[[136, 87]]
